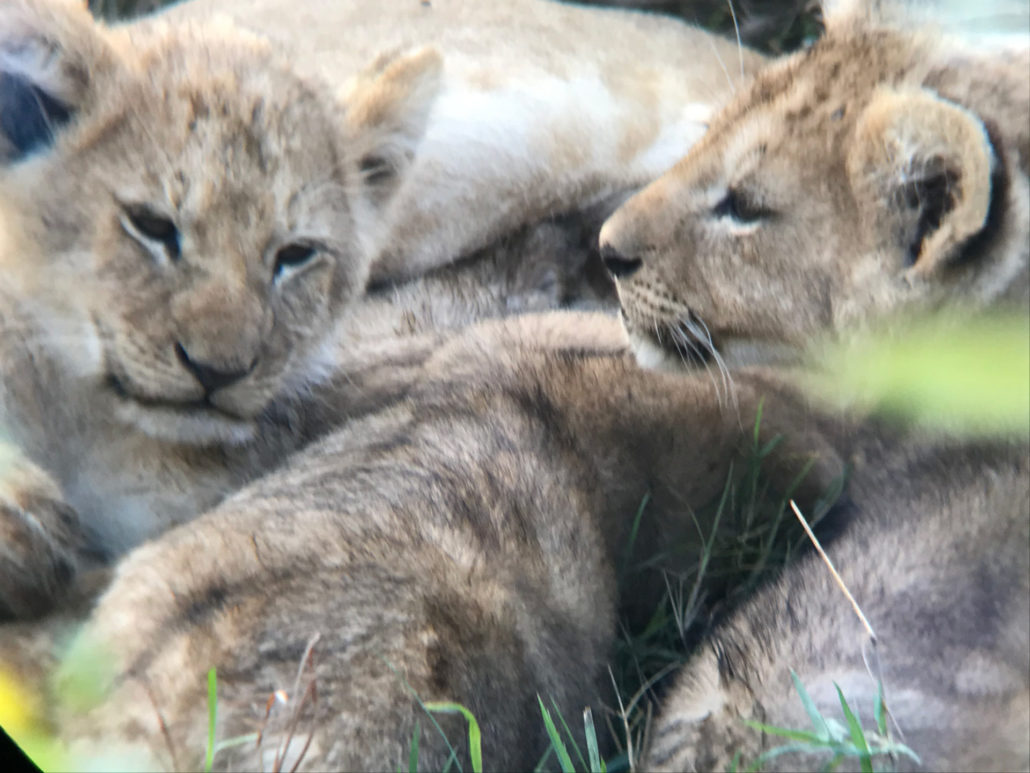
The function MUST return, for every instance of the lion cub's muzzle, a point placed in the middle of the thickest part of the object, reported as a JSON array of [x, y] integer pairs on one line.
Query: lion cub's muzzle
[[212, 377], [172, 393], [655, 318]]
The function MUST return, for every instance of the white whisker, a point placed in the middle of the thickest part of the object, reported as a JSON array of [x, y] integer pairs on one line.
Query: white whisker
[[740, 46], [722, 64], [690, 341], [719, 361]]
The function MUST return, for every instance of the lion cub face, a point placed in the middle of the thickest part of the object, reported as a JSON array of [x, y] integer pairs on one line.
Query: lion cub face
[[190, 216], [836, 189]]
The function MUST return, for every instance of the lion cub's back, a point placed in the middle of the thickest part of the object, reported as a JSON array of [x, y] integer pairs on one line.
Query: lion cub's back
[[336, 39]]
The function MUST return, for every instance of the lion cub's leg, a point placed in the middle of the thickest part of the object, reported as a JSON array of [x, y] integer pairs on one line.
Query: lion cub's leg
[[421, 557], [42, 543], [343, 654]]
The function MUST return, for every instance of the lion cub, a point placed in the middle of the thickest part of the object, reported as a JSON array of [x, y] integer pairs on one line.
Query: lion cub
[[183, 221], [876, 172], [460, 546], [188, 227]]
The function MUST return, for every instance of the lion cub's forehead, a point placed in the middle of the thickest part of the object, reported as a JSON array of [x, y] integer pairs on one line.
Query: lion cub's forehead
[[813, 99], [218, 121]]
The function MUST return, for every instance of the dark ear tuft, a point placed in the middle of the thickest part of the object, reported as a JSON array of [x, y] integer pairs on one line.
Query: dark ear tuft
[[929, 198], [52, 55], [29, 117]]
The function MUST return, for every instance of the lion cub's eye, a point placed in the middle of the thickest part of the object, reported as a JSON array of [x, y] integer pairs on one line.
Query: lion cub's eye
[[293, 256], [740, 208], [154, 227]]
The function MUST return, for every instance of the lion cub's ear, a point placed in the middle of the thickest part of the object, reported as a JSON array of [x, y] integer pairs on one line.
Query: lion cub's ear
[[921, 169], [50, 53], [387, 108]]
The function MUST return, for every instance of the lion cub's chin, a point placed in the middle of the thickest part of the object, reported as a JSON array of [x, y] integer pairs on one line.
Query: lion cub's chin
[[193, 425], [650, 356]]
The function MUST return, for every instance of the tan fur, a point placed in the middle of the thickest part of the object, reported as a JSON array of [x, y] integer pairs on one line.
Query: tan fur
[[102, 323], [875, 174], [841, 156], [458, 546], [544, 105], [462, 543], [199, 121], [935, 554]]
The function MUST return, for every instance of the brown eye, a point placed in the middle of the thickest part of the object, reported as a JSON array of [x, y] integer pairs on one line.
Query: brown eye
[[156, 227], [739, 207], [292, 256]]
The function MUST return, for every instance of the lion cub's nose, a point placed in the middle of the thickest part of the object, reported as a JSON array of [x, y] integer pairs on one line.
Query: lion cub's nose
[[618, 265], [211, 378]]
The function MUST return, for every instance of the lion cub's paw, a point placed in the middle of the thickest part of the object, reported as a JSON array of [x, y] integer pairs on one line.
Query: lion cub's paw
[[41, 539], [703, 723]]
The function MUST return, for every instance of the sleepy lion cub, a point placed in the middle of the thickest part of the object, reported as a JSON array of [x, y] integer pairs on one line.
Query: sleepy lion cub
[[544, 106], [877, 172], [183, 221]]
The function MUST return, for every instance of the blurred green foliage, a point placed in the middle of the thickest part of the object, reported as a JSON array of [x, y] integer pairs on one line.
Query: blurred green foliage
[[967, 376]]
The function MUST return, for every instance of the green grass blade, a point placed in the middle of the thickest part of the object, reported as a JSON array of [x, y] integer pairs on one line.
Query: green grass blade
[[813, 713], [769, 447], [212, 717], [634, 530], [559, 748], [453, 759], [568, 734], [899, 748], [475, 735], [878, 711], [805, 736], [618, 764], [857, 736], [238, 740], [596, 763], [539, 768], [413, 749]]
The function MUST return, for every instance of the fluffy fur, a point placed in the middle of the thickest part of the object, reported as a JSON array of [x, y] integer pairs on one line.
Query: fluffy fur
[[878, 173], [874, 173], [187, 228], [543, 106], [461, 543], [183, 228], [458, 546]]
